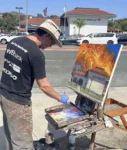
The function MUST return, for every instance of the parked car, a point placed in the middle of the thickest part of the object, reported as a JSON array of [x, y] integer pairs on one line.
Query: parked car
[[122, 39], [7, 38], [71, 40], [99, 38], [2, 33], [118, 35]]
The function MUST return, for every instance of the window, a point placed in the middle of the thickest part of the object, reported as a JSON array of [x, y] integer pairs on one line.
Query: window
[[109, 35], [104, 35], [89, 35], [97, 35], [12, 34], [24, 34], [123, 36], [19, 34]]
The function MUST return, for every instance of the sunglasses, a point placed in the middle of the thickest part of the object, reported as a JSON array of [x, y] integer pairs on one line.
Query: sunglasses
[[49, 37]]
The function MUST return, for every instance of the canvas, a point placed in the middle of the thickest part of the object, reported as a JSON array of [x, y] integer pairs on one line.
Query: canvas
[[93, 70]]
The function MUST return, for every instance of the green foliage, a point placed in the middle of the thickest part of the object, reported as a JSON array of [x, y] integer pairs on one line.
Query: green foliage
[[8, 22], [39, 15], [54, 16], [1, 22], [110, 23], [123, 25], [119, 24], [79, 23]]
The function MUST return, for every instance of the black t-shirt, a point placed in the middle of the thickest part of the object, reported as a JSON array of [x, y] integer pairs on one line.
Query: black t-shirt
[[24, 62]]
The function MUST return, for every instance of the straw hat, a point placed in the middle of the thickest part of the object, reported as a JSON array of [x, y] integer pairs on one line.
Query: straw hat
[[50, 27]]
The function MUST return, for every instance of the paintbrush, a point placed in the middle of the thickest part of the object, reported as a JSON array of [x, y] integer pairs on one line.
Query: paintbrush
[[68, 103]]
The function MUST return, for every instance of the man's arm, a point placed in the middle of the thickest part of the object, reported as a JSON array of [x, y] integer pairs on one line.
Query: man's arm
[[48, 89]]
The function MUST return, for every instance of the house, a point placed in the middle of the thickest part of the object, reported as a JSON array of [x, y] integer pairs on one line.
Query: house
[[96, 21], [95, 79], [33, 23]]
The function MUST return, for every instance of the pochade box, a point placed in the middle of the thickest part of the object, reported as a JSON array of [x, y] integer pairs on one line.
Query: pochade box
[[91, 77], [63, 115]]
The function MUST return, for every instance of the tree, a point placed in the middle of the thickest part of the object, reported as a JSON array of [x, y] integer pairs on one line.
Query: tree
[[54, 16], [110, 23], [123, 25], [1, 22], [9, 22], [39, 15], [120, 24], [79, 23]]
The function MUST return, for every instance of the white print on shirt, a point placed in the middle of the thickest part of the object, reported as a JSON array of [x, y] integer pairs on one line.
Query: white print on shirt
[[15, 67], [13, 53], [20, 47], [10, 74]]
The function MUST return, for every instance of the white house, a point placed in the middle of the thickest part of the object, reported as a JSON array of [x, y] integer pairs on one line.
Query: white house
[[96, 20]]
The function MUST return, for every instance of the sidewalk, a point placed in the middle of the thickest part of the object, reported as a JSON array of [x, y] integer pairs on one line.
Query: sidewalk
[[111, 138]]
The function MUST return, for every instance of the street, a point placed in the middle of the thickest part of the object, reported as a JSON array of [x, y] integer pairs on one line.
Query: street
[[59, 65]]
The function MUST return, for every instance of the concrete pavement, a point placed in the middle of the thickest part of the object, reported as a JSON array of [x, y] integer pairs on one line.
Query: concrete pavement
[[113, 138]]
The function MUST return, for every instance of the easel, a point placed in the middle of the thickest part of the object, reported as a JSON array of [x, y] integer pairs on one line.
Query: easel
[[119, 110], [91, 81], [95, 110], [92, 123]]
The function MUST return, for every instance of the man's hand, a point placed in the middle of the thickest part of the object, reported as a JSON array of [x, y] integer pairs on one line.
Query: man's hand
[[64, 99]]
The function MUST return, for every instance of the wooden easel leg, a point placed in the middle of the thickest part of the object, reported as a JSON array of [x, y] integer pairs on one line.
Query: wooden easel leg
[[92, 141], [67, 137]]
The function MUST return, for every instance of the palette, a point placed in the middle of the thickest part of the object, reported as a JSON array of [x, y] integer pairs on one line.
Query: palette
[[63, 115]]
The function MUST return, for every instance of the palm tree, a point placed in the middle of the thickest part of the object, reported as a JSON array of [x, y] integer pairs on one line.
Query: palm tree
[[79, 23]]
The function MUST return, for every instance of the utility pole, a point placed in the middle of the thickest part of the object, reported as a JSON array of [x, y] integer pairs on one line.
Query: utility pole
[[26, 15], [19, 8], [64, 20]]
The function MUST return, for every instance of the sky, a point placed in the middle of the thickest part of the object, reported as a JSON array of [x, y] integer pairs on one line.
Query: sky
[[118, 7]]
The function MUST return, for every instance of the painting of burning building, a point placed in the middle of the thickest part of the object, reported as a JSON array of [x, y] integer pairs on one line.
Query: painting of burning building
[[94, 69]]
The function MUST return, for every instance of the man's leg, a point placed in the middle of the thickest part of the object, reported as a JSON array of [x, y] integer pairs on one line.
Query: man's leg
[[6, 130], [19, 121], [7, 134]]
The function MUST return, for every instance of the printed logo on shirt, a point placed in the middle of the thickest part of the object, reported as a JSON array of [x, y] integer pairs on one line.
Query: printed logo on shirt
[[10, 74], [20, 47], [13, 53], [15, 67]]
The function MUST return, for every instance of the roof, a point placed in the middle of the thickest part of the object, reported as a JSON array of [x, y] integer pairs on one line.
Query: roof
[[96, 70], [99, 71], [89, 11], [81, 73], [38, 21]]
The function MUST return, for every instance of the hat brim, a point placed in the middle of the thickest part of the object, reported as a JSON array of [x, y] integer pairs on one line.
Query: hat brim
[[56, 40]]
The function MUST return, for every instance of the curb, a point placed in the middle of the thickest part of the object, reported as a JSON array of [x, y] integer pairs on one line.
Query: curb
[[60, 49]]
